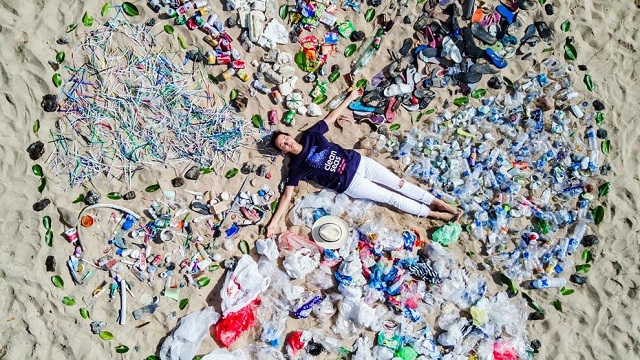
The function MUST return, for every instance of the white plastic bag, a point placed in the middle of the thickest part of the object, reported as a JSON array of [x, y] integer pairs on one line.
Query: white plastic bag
[[299, 263], [184, 341], [224, 354], [242, 285]]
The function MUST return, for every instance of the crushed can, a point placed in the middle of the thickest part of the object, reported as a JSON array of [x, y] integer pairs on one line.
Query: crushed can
[[242, 75], [289, 117], [209, 39], [71, 235], [277, 97], [273, 116]]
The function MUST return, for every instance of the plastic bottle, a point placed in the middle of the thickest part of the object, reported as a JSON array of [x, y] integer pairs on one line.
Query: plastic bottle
[[591, 138], [576, 237], [545, 283]]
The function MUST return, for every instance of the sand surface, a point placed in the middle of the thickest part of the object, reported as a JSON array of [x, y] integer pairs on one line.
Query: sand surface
[[599, 320]]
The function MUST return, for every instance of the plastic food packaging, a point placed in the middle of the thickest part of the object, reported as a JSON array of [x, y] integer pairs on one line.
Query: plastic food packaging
[[184, 341]]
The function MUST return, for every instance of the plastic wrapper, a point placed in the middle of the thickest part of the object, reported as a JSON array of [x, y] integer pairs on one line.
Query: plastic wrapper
[[232, 326], [300, 263], [242, 285], [223, 354], [184, 341], [302, 212]]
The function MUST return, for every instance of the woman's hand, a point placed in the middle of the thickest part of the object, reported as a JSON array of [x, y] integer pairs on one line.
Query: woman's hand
[[355, 93], [271, 229]]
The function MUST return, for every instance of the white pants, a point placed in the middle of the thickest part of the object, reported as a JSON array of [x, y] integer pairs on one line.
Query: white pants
[[366, 185]]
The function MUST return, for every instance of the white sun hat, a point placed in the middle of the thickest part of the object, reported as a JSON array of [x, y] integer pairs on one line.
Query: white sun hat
[[330, 232]]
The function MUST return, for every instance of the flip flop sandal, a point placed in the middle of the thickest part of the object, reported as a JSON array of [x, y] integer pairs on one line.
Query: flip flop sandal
[[495, 59], [390, 114], [421, 23], [407, 45], [543, 30], [451, 50], [437, 30], [478, 31], [528, 33], [467, 9], [410, 103], [374, 95], [412, 76], [358, 106], [377, 78], [506, 13], [424, 103], [497, 47], [200, 208], [377, 119], [509, 52], [468, 77], [429, 38], [469, 45], [477, 15], [397, 89], [483, 69]]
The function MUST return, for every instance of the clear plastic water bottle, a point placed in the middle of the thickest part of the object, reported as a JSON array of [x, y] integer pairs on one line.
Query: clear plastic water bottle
[[576, 237], [545, 283]]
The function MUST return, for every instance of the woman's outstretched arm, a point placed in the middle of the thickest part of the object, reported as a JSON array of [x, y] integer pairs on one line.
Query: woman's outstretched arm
[[335, 114], [283, 203]]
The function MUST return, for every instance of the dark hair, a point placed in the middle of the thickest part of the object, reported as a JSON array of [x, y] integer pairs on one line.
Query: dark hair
[[274, 137]]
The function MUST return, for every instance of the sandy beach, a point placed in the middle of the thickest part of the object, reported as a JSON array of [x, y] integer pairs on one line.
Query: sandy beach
[[598, 321]]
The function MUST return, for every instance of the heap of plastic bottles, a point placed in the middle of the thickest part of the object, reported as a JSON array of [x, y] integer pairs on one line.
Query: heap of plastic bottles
[[538, 170]]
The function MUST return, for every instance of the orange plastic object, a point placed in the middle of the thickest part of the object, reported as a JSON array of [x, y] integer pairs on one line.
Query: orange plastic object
[[86, 221], [477, 15]]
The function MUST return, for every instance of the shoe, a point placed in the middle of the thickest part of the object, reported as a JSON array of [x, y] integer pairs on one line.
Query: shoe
[[468, 77], [451, 50], [397, 89], [478, 31], [495, 59]]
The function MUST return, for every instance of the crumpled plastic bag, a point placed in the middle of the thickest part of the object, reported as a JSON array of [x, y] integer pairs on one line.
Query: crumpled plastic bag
[[406, 353], [300, 263], [233, 325], [184, 341], [296, 341], [504, 351], [268, 248], [242, 285], [289, 242], [447, 234], [224, 354], [363, 349]]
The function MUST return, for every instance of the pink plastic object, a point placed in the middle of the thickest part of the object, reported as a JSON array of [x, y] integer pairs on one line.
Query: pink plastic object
[[289, 241], [504, 351]]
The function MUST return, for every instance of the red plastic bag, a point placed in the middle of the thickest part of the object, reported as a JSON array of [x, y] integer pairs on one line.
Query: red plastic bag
[[504, 351], [296, 341], [232, 326]]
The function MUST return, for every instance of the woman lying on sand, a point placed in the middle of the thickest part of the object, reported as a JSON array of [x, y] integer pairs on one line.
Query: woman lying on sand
[[346, 171]]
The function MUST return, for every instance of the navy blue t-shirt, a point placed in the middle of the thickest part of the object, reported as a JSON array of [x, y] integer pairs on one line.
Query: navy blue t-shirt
[[323, 162]]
